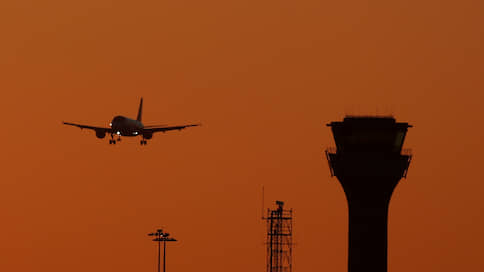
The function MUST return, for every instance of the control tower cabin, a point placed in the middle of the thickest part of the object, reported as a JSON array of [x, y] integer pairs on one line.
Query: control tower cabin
[[368, 162]]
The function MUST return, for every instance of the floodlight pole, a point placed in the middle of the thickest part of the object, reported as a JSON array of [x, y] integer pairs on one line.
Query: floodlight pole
[[159, 241], [161, 236], [164, 255]]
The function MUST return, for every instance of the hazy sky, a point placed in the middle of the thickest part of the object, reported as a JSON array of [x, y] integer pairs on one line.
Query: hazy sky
[[264, 77]]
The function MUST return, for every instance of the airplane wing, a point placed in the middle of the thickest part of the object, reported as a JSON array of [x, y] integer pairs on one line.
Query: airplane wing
[[153, 129], [97, 129]]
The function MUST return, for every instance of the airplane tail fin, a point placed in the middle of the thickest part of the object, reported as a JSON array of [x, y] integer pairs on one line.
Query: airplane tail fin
[[140, 110]]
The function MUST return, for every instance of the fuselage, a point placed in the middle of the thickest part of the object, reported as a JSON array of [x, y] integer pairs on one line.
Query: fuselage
[[125, 126]]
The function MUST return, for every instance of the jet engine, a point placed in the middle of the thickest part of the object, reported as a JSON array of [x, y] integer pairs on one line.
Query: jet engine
[[100, 134], [148, 135]]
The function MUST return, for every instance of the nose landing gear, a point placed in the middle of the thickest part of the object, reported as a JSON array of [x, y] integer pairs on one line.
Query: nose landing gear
[[143, 142], [112, 141]]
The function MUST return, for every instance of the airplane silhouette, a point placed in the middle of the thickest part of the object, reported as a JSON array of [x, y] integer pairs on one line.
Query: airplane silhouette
[[124, 126]]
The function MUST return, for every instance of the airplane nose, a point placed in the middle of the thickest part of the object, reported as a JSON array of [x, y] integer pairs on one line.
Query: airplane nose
[[114, 129]]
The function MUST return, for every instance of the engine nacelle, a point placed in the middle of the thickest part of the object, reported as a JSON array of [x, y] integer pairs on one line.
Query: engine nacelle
[[148, 135], [100, 134]]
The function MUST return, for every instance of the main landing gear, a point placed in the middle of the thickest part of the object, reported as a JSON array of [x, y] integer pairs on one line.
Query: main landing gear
[[113, 141], [143, 142]]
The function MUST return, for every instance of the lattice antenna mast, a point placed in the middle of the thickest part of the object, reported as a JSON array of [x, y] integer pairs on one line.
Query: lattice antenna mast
[[279, 239]]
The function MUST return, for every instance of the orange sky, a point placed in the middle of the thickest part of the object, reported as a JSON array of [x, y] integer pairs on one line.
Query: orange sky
[[263, 77]]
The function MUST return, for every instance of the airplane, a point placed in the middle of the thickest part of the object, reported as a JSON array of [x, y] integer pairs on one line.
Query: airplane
[[124, 126]]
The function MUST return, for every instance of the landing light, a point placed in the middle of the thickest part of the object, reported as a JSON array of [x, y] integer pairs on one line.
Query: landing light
[[118, 133], [110, 124], [135, 133]]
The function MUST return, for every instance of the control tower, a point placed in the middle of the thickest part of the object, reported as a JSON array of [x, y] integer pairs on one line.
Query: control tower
[[369, 162]]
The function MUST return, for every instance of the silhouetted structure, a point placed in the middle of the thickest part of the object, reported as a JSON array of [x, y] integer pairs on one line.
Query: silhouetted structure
[[162, 237], [368, 162], [279, 239]]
